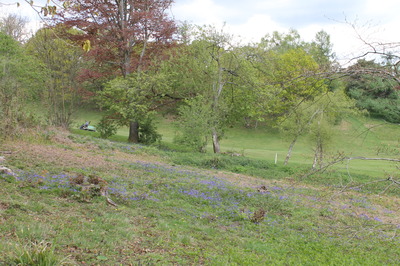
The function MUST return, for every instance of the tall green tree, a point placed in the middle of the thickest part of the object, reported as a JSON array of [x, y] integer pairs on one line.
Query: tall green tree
[[283, 79], [131, 99], [21, 80], [63, 60], [316, 119], [321, 49], [206, 66], [281, 42], [330, 109]]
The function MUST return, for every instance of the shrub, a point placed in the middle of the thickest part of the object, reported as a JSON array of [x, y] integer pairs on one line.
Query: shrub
[[195, 118], [148, 132], [107, 127]]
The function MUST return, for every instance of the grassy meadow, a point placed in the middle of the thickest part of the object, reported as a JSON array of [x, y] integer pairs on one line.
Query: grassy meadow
[[172, 207], [355, 136]]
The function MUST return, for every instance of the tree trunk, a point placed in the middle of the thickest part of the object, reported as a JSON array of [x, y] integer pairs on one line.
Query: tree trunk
[[289, 153], [215, 140], [321, 155], [315, 159], [318, 156], [133, 132]]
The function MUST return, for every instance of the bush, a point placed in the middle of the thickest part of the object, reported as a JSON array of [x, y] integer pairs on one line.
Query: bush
[[194, 124], [148, 132], [107, 127]]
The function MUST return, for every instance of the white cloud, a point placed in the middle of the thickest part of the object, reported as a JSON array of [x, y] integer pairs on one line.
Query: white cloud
[[255, 28], [25, 11], [200, 12], [346, 45], [273, 4], [253, 19], [387, 9]]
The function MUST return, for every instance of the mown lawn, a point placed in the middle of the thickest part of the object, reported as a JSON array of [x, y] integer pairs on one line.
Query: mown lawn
[[168, 213]]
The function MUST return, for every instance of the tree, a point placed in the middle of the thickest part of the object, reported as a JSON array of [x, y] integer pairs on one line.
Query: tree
[[282, 80], [321, 50], [63, 61], [21, 79], [281, 42], [14, 26], [128, 99], [195, 120], [373, 92], [327, 111], [388, 51], [119, 33], [220, 69], [297, 123], [206, 66]]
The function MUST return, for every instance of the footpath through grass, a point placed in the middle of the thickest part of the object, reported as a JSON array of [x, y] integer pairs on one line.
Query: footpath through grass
[[168, 213]]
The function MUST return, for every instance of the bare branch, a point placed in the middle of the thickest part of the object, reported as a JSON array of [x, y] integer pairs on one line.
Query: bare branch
[[371, 159]]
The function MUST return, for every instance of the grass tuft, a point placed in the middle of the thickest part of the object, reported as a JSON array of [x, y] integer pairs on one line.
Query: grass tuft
[[37, 253]]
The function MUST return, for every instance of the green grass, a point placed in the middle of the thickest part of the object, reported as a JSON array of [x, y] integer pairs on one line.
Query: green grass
[[353, 137], [168, 213]]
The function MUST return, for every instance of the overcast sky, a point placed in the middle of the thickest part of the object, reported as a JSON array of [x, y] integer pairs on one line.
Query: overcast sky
[[253, 19], [378, 20]]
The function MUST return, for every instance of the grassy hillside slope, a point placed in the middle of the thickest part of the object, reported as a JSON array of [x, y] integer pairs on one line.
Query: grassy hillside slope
[[166, 213], [355, 136]]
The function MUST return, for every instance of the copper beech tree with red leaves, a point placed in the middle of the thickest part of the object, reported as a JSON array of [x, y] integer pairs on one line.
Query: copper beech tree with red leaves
[[118, 34]]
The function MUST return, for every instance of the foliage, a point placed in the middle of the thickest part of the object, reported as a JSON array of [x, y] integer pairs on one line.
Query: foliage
[[128, 99], [195, 118], [21, 78], [63, 61], [119, 32], [148, 131], [321, 50], [282, 42], [282, 80], [107, 127], [374, 93], [316, 119], [205, 67]]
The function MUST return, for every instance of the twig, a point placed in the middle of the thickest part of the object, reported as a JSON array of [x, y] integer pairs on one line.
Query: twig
[[112, 203], [372, 159], [386, 188]]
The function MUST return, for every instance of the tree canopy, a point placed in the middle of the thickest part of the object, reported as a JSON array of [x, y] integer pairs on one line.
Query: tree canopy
[[376, 93], [21, 79]]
